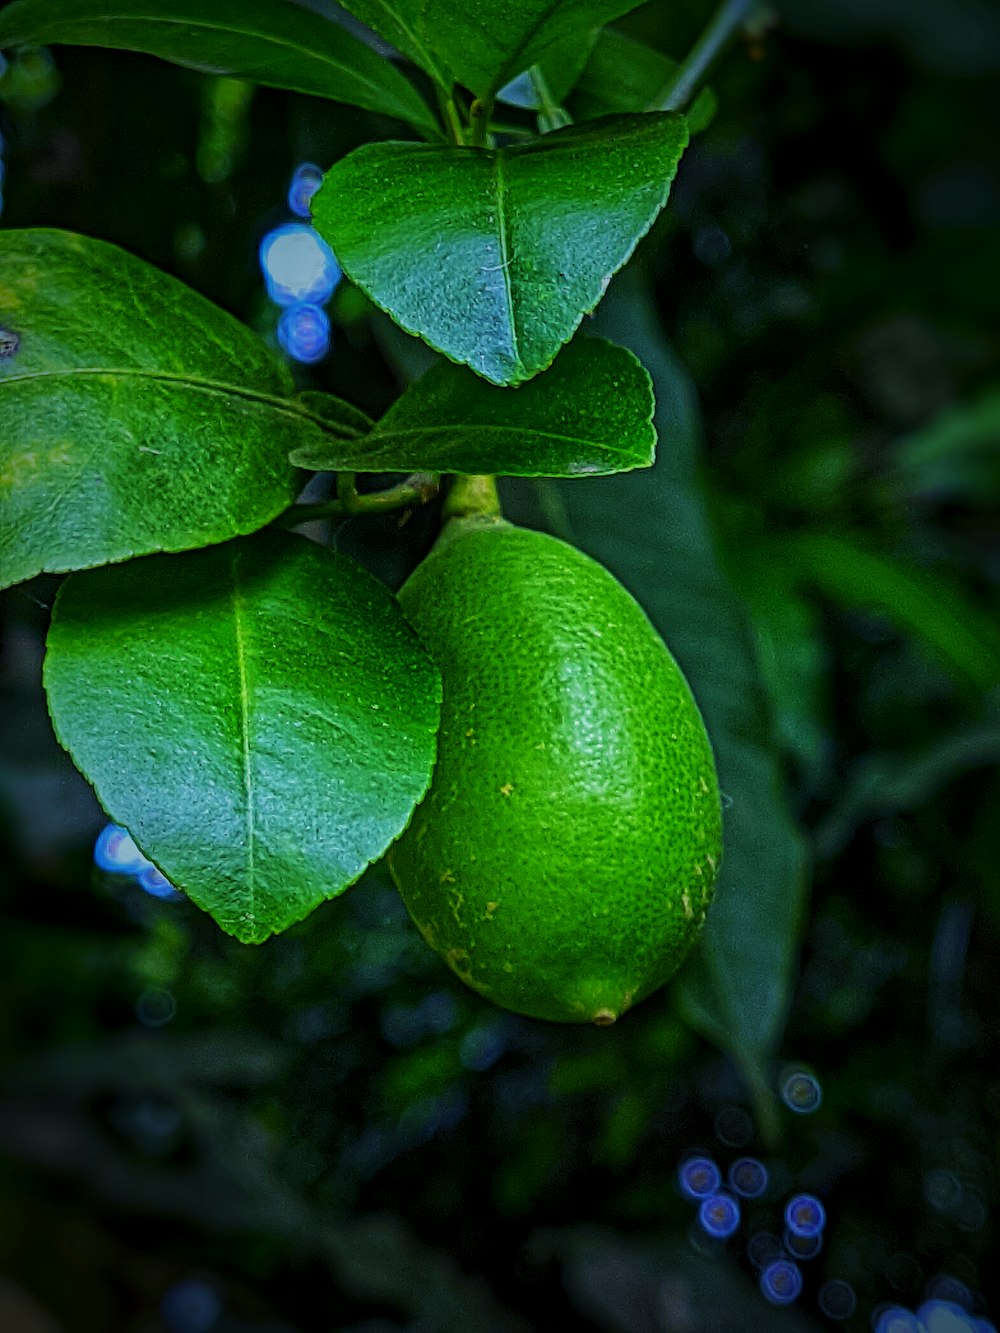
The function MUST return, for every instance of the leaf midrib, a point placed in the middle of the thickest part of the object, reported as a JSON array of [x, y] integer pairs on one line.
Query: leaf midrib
[[284, 406], [532, 432], [429, 64], [244, 725], [505, 258]]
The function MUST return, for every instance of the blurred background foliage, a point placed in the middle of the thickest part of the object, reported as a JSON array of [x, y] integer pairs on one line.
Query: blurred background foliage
[[328, 1132]]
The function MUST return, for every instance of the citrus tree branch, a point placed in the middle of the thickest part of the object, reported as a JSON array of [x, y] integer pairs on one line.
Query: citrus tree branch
[[677, 90]]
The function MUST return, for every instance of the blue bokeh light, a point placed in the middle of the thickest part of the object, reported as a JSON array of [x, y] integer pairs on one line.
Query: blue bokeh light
[[298, 265], [781, 1282], [719, 1215], [801, 1092], [155, 883], [698, 1177], [155, 1007], [803, 1247], [482, 1047], [940, 1316], [306, 180], [763, 1248], [748, 1177], [116, 853], [304, 333], [191, 1306], [837, 1299], [945, 1287], [805, 1215], [896, 1319]]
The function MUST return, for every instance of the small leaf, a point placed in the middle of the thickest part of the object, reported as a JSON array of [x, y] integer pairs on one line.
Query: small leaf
[[590, 412], [135, 416], [481, 43], [258, 715], [281, 46], [493, 256], [624, 75]]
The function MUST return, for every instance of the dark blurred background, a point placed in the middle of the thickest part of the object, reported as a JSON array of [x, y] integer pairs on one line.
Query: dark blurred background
[[327, 1132]]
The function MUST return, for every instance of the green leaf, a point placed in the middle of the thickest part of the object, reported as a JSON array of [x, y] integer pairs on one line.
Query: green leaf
[[483, 43], [793, 661], [279, 45], [591, 412], [651, 530], [624, 75], [885, 783], [961, 633], [258, 715], [954, 457], [493, 256], [134, 415], [787, 626]]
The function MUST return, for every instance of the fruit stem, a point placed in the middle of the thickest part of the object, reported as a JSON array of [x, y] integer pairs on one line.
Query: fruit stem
[[472, 496]]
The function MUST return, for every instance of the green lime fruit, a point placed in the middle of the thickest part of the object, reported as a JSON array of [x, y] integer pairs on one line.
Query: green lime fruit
[[564, 857]]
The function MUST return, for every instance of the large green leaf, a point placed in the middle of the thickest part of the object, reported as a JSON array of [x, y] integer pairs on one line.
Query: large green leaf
[[483, 43], [258, 714], [590, 412], [278, 44], [652, 531], [134, 415], [494, 256]]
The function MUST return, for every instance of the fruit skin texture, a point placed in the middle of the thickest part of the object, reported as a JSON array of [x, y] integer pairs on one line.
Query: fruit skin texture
[[564, 857]]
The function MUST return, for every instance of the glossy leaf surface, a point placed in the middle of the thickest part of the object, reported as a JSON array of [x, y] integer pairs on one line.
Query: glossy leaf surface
[[135, 416], [279, 45], [590, 412], [258, 715], [494, 256], [483, 44]]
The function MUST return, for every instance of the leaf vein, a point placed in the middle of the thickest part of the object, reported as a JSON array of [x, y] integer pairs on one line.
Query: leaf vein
[[505, 258], [244, 698], [284, 406]]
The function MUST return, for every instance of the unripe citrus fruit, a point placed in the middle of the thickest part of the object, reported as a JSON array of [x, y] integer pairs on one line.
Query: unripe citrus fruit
[[564, 856]]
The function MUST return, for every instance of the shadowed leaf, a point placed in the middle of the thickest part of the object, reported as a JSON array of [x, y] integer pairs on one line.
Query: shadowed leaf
[[279, 45]]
